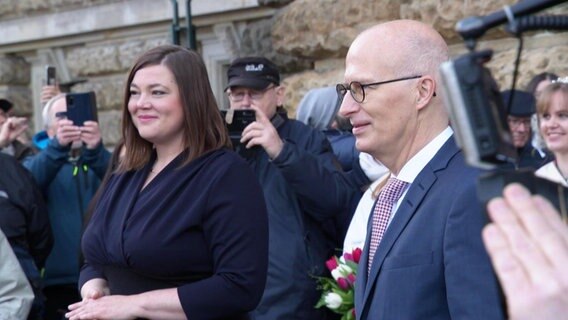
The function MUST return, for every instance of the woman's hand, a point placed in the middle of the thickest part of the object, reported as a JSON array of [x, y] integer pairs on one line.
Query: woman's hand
[[94, 289], [103, 308]]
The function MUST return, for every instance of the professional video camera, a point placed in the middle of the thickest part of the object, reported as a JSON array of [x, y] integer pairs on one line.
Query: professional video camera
[[476, 108]]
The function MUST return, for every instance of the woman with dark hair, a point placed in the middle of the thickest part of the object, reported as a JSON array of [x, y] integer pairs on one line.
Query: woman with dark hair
[[539, 82], [180, 228]]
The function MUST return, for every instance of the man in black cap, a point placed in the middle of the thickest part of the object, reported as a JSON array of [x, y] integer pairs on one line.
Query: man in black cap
[[519, 119], [11, 128], [302, 185]]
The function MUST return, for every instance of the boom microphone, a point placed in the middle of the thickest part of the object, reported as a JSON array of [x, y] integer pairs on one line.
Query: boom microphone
[[475, 27]]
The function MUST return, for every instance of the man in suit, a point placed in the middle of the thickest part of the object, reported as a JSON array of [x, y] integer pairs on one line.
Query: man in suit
[[430, 262]]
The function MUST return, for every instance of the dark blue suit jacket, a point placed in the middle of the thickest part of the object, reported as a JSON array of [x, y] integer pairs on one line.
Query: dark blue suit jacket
[[431, 263]]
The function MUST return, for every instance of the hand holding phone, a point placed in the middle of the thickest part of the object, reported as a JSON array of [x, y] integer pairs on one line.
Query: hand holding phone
[[81, 107], [237, 120], [50, 75]]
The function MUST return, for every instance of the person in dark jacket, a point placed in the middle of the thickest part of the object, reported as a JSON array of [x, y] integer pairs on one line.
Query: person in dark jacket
[[12, 130], [180, 229], [302, 185], [68, 170], [318, 109], [519, 119], [24, 220]]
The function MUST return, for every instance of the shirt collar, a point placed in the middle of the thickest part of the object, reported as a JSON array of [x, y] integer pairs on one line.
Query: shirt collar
[[415, 165]]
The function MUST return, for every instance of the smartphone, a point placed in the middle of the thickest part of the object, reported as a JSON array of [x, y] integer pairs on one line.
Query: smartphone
[[81, 107], [50, 75], [237, 120]]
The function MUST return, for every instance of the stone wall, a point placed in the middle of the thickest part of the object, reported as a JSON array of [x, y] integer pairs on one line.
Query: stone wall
[[307, 38], [21, 8], [14, 83], [321, 30]]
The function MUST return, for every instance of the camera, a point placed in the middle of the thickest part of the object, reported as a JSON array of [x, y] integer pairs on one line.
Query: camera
[[477, 112], [236, 121]]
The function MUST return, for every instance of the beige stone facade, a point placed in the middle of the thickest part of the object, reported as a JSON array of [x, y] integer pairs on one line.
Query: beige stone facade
[[97, 40]]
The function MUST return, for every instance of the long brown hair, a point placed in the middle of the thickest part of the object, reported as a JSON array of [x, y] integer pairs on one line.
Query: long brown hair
[[203, 127]]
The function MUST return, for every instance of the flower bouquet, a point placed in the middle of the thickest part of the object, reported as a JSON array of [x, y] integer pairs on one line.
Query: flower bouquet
[[338, 291]]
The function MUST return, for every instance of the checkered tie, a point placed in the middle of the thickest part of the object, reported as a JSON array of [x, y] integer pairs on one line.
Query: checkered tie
[[381, 213]]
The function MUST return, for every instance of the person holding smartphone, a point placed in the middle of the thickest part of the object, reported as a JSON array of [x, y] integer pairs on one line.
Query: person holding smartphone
[[303, 186], [68, 169]]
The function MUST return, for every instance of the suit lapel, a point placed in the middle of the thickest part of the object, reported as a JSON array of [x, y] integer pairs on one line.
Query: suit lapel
[[360, 288], [416, 193]]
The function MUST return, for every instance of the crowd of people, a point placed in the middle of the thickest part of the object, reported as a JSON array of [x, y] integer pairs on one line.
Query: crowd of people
[[181, 222]]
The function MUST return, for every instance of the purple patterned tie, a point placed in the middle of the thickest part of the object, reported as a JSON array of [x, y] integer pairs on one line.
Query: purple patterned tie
[[381, 213]]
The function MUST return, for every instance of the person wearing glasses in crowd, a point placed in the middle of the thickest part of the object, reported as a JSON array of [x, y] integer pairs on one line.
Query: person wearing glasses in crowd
[[303, 186], [519, 115], [68, 169], [423, 257]]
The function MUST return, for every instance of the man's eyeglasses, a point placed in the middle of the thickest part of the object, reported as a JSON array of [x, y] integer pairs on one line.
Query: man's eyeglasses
[[515, 122], [357, 89], [253, 94]]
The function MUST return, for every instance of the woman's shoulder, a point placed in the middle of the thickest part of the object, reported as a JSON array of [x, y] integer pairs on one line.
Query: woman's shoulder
[[223, 157], [218, 163]]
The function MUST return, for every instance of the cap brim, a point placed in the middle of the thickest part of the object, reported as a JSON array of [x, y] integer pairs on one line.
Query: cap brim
[[253, 83]]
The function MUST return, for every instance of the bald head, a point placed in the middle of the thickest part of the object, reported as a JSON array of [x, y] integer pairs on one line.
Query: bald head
[[397, 109], [408, 47]]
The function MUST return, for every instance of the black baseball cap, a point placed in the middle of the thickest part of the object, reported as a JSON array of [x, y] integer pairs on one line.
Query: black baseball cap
[[523, 104], [5, 105], [252, 72]]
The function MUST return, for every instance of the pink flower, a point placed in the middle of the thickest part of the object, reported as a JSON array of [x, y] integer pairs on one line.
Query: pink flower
[[331, 263], [343, 283], [348, 257], [351, 278], [356, 254]]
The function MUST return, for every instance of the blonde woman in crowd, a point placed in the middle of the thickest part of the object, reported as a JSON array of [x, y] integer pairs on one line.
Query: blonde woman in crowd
[[552, 109]]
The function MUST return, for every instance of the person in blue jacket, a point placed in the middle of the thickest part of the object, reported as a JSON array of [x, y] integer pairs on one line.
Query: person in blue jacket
[[303, 186], [68, 169]]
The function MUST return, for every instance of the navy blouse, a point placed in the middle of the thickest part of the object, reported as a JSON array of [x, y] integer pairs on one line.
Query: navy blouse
[[201, 228]]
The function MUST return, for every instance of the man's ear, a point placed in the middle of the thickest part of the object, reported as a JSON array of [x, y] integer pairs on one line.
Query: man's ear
[[426, 91], [280, 93]]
